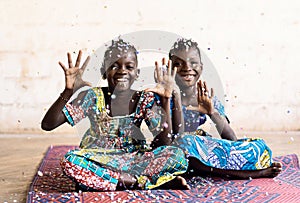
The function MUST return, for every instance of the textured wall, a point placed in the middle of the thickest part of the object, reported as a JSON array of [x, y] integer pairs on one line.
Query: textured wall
[[254, 46]]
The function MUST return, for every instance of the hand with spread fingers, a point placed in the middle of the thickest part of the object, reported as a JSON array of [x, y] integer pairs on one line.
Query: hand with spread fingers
[[165, 78], [73, 74], [205, 103]]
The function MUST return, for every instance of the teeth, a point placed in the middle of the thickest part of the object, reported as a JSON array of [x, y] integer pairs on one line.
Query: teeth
[[188, 77], [121, 80]]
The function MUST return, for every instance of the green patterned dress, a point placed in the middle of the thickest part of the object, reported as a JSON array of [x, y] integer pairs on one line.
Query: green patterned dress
[[115, 145]]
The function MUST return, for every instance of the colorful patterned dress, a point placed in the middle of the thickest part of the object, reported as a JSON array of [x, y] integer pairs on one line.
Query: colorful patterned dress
[[115, 145], [243, 154]]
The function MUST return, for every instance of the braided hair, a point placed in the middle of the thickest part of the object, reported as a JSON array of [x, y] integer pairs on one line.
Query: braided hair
[[116, 49], [184, 44]]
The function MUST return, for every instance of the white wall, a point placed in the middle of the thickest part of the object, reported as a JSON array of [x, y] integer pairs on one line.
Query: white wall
[[254, 45]]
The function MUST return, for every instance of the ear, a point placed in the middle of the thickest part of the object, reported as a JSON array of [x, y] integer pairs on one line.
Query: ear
[[104, 77], [138, 72], [103, 72]]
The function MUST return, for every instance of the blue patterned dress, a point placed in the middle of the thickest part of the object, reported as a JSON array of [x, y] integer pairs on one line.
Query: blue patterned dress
[[243, 154], [114, 145]]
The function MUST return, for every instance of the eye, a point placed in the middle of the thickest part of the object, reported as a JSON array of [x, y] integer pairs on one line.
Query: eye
[[177, 64], [114, 66], [194, 63], [130, 67]]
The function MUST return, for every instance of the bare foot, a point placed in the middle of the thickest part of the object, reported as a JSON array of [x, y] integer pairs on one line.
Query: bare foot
[[272, 171], [178, 183]]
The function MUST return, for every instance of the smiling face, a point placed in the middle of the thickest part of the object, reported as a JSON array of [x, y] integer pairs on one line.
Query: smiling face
[[122, 71], [189, 66], [120, 65]]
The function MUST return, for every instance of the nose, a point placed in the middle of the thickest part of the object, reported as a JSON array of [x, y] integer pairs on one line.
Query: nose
[[122, 70], [186, 67]]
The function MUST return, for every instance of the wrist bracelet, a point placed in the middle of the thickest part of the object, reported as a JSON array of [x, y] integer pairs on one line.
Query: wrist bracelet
[[64, 99]]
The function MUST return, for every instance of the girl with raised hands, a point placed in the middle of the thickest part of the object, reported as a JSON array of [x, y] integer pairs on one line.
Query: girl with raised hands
[[229, 156], [114, 154]]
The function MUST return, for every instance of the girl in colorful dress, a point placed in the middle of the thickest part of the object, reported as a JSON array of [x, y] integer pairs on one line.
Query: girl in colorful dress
[[229, 156], [114, 154]]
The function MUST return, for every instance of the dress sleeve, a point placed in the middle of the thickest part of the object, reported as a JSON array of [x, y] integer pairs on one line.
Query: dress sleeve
[[149, 110], [220, 108], [87, 103]]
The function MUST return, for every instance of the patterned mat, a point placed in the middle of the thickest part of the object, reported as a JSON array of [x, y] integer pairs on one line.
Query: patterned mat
[[51, 185]]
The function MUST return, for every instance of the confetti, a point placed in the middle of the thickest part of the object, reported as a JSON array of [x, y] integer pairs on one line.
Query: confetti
[[40, 173]]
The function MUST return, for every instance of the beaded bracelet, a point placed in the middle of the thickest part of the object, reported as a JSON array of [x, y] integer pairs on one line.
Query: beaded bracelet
[[64, 99]]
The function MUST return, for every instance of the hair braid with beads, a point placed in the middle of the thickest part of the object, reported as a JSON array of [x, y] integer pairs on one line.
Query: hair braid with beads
[[117, 48], [184, 44]]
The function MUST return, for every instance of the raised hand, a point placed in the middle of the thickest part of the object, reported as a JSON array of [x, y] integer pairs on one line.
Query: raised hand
[[73, 74], [205, 103], [165, 79]]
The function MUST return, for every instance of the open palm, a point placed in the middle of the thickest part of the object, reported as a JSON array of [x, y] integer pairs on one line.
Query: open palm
[[165, 80], [73, 74], [205, 103]]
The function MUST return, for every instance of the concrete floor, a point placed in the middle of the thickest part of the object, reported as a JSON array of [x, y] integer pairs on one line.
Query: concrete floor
[[21, 155]]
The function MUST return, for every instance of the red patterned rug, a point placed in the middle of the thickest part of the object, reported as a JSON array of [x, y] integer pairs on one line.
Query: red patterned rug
[[51, 185]]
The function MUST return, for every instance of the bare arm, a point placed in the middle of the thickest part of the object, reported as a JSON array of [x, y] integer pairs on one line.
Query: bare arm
[[177, 116], [165, 88], [222, 126], [73, 81], [205, 105], [55, 116], [164, 137]]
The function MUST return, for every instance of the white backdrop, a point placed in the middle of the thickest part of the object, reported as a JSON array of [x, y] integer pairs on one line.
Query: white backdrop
[[254, 46]]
